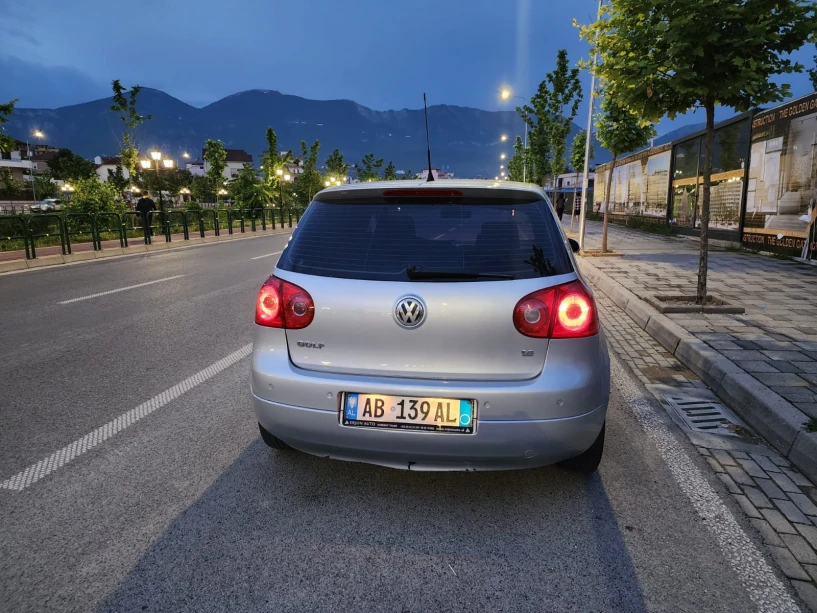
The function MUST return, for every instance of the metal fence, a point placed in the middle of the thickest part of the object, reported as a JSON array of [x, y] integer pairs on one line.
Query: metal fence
[[29, 232]]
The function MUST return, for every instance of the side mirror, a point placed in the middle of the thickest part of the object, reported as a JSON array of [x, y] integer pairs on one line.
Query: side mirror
[[574, 245]]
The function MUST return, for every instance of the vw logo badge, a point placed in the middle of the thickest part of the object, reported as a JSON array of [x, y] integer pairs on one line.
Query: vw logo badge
[[410, 312]]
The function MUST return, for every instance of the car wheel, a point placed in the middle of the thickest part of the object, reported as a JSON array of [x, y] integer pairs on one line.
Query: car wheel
[[588, 461], [273, 442]]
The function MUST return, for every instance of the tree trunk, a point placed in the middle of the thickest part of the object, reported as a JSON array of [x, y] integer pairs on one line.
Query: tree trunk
[[609, 183], [709, 104], [573, 212]]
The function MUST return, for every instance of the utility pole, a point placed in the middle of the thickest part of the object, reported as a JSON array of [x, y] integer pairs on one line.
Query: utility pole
[[586, 174]]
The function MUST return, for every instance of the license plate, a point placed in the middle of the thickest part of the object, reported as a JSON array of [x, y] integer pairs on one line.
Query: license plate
[[449, 415]]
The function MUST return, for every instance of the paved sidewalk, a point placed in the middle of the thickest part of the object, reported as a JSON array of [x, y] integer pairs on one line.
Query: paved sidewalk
[[778, 500]]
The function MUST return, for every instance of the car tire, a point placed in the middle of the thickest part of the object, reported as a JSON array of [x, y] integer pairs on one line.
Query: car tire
[[273, 442], [588, 461]]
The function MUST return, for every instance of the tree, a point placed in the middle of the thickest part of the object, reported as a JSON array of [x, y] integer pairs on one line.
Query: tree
[[550, 116], [248, 190], [577, 162], [270, 160], [516, 167], [390, 172], [93, 196], [664, 57], [409, 175], [68, 166], [367, 169], [44, 186], [335, 166], [812, 73], [216, 157], [200, 188], [309, 181], [618, 131], [131, 119], [7, 143], [10, 187], [116, 177]]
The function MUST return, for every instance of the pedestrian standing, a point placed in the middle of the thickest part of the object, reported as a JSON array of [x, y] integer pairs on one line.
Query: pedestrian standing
[[144, 207], [560, 205]]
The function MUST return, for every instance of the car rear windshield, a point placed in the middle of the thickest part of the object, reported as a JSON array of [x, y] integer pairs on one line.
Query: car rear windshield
[[407, 241]]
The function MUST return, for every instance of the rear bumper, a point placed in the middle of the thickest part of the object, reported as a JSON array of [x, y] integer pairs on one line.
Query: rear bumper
[[496, 445]]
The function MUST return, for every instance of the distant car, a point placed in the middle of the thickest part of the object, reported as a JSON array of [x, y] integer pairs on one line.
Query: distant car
[[49, 205], [431, 328]]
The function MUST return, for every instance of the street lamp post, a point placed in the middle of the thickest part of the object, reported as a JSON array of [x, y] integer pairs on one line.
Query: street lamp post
[[166, 164], [185, 191], [67, 189], [38, 135], [506, 94], [221, 192]]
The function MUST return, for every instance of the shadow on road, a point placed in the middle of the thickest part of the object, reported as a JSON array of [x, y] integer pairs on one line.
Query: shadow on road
[[287, 531]]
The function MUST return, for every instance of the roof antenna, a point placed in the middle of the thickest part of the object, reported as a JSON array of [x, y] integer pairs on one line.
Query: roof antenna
[[428, 143]]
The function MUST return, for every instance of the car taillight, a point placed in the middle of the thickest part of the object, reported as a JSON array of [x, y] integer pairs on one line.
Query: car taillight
[[564, 311], [281, 304]]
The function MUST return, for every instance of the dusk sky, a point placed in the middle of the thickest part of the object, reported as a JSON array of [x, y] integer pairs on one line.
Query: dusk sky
[[382, 54]]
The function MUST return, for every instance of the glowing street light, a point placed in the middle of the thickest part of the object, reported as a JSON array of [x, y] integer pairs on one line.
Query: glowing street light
[[67, 189], [503, 138], [156, 155], [507, 94], [146, 164], [501, 156], [38, 134], [501, 166], [186, 155], [166, 164]]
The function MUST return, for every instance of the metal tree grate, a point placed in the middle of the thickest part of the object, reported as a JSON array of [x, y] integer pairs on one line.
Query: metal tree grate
[[703, 415]]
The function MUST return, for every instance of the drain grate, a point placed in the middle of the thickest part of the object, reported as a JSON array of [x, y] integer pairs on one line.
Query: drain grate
[[703, 415]]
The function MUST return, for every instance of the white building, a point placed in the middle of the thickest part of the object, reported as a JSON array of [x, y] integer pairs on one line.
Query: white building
[[436, 173], [236, 158], [196, 168], [103, 165]]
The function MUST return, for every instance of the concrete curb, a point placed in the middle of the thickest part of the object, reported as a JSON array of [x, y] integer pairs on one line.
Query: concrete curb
[[769, 414], [83, 256]]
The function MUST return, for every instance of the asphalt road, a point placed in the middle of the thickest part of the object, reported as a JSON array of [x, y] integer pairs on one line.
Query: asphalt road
[[178, 505]]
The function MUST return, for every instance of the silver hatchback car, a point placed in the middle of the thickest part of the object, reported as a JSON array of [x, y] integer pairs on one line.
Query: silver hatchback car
[[432, 326]]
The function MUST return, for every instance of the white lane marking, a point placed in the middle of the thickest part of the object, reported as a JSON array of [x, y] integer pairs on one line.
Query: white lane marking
[[269, 255], [60, 458], [121, 289], [756, 576]]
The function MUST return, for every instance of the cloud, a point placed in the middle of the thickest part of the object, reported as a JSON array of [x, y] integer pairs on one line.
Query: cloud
[[12, 32], [40, 86]]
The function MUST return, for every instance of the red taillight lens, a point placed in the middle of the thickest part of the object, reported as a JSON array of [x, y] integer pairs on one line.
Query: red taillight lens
[[281, 304], [565, 311]]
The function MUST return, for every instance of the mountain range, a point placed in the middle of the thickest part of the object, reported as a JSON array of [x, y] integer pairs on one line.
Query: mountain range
[[465, 141]]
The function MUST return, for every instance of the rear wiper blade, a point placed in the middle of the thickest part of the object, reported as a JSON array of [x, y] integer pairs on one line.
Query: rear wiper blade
[[417, 273]]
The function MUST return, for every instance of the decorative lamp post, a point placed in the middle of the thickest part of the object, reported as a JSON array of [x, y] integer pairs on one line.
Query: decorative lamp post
[[67, 189], [161, 164], [507, 94], [221, 192]]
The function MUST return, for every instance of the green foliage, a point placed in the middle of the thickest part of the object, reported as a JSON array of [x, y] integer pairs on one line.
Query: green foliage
[[201, 189], [93, 196], [618, 130], [812, 74], [6, 142], [216, 157], [367, 169], [10, 187], [192, 205], [125, 105], [309, 182], [335, 166], [409, 175], [550, 116], [577, 151], [68, 166], [390, 172], [44, 186], [810, 425], [248, 190], [270, 160], [116, 177], [664, 57], [516, 167]]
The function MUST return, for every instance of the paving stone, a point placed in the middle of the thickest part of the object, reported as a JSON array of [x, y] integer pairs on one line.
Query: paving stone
[[767, 533], [739, 475], [809, 533], [803, 503], [792, 513], [743, 355], [754, 366], [740, 455], [807, 593], [715, 466], [787, 367], [784, 483], [797, 478], [794, 394], [704, 451], [748, 507], [730, 485], [770, 488], [806, 366], [788, 564], [788, 356], [809, 408], [752, 468], [800, 548], [723, 457], [757, 497], [787, 379], [811, 569], [765, 463], [779, 523]]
